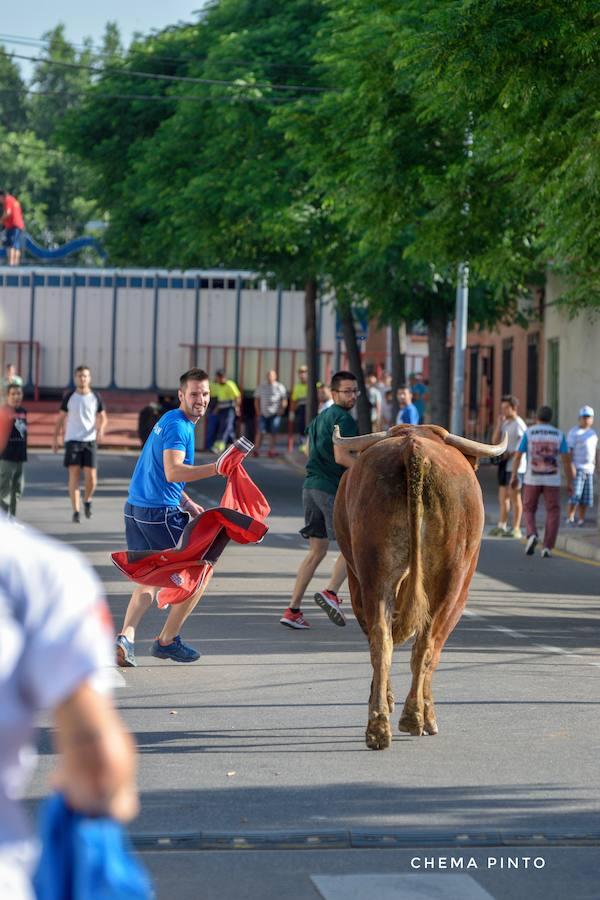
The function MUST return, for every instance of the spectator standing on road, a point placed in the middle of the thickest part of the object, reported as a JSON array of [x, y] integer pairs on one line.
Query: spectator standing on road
[[228, 408], [386, 410], [14, 456], [157, 511], [325, 398], [511, 424], [582, 442], [420, 394], [82, 418], [298, 400], [12, 222], [543, 444], [407, 411], [10, 376], [270, 403], [374, 397], [325, 466]]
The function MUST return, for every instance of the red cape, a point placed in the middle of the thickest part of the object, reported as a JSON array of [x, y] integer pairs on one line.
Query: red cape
[[182, 570]]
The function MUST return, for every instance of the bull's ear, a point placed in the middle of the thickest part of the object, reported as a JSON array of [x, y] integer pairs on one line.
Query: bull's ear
[[473, 460]]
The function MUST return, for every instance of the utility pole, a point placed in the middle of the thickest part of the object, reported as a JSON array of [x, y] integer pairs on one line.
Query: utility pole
[[457, 424], [460, 346]]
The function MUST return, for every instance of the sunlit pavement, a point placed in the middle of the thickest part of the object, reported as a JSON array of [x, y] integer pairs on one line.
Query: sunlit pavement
[[260, 746]]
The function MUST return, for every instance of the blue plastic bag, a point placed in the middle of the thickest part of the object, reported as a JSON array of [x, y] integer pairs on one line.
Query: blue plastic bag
[[85, 858]]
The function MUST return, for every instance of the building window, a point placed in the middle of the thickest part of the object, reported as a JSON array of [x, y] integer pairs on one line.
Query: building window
[[507, 352], [533, 357]]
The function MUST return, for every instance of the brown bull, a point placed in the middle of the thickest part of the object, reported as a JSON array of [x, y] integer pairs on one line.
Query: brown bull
[[409, 518]]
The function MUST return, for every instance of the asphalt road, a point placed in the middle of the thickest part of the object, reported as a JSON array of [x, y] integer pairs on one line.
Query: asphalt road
[[260, 745]]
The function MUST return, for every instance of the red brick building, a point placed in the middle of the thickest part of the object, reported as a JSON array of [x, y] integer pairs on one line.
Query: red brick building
[[506, 360]]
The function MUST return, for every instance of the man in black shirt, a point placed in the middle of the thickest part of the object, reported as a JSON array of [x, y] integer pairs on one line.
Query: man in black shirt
[[14, 457]]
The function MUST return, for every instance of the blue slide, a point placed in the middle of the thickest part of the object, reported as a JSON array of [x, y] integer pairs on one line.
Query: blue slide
[[67, 249]]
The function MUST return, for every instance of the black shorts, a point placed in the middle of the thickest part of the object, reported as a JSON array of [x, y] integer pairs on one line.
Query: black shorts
[[505, 474], [318, 514], [80, 453]]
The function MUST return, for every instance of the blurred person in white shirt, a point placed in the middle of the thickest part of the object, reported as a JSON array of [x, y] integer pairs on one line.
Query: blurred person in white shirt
[[511, 424], [582, 441], [55, 656]]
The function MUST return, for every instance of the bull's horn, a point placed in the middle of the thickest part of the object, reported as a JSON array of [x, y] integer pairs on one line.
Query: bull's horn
[[475, 448], [361, 442]]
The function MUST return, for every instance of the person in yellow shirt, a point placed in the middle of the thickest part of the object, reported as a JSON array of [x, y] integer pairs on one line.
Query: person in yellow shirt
[[229, 400], [298, 402]]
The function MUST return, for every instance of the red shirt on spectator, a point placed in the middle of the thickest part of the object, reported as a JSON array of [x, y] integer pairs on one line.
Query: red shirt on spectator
[[13, 215]]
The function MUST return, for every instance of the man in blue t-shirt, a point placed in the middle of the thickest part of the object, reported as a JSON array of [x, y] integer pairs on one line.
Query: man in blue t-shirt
[[408, 413], [157, 510], [420, 394]]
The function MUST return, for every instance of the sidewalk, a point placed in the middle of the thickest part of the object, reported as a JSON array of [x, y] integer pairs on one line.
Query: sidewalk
[[584, 542]]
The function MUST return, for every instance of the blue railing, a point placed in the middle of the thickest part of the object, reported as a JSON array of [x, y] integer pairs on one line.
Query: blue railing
[[34, 249]]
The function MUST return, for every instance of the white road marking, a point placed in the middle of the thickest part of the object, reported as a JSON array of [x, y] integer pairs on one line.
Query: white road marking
[[115, 679], [520, 636], [395, 886]]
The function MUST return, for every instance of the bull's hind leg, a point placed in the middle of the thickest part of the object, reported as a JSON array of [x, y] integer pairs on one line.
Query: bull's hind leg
[[381, 699], [378, 735], [413, 718]]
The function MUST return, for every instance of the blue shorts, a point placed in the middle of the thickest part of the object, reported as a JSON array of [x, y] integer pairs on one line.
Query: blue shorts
[[12, 238], [269, 424], [583, 489], [153, 528]]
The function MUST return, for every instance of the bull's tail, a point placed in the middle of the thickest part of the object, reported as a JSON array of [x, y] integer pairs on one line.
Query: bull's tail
[[412, 605]]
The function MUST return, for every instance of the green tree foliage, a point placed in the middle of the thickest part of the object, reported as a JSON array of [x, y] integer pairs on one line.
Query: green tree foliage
[[13, 116], [528, 72]]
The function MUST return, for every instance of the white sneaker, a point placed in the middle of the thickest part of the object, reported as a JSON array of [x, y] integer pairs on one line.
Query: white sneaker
[[531, 544], [546, 553]]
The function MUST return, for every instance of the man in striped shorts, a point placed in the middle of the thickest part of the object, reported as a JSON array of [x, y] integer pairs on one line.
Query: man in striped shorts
[[582, 442]]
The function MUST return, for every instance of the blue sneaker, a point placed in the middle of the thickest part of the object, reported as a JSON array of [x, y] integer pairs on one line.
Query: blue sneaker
[[124, 652], [176, 650]]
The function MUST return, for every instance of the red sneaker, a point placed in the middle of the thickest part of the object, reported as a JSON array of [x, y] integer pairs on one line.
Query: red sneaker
[[294, 620], [330, 602], [273, 453]]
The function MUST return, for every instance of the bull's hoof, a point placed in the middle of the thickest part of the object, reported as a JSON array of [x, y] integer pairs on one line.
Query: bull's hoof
[[378, 735], [430, 724], [411, 720]]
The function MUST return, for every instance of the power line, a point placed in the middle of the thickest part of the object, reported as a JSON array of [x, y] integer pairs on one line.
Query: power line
[[98, 51], [188, 79], [165, 98]]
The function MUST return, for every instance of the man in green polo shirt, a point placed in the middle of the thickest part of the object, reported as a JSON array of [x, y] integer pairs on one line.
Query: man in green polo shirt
[[325, 466]]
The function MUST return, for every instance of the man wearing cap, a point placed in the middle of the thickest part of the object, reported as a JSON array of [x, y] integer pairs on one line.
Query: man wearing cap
[[298, 402], [420, 394], [582, 442], [229, 399]]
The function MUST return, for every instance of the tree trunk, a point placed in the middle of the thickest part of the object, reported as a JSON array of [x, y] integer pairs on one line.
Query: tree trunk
[[355, 366], [439, 374], [310, 330], [398, 354]]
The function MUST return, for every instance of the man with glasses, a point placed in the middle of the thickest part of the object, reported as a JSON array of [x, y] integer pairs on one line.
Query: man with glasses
[[324, 468]]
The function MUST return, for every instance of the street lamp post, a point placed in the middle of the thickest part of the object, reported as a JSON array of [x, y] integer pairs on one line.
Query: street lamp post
[[462, 314], [460, 347]]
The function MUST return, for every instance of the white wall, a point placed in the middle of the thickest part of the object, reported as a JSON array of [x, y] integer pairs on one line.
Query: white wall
[[93, 332], [181, 295], [579, 355]]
